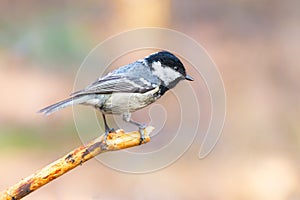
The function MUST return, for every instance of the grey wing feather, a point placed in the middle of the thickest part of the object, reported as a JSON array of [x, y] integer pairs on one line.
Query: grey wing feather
[[116, 83], [131, 78]]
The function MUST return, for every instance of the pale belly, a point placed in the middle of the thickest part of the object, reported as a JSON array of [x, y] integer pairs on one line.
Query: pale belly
[[119, 103]]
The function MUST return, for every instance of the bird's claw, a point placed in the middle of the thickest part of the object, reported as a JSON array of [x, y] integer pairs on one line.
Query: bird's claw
[[111, 130], [142, 133], [108, 131]]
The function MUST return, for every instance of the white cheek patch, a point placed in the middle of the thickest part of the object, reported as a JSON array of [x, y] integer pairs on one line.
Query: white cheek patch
[[166, 74]]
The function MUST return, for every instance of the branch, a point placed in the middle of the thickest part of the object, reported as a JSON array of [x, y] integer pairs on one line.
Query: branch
[[115, 141]]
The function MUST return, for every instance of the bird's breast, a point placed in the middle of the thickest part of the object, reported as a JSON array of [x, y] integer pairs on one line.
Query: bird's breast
[[119, 103]]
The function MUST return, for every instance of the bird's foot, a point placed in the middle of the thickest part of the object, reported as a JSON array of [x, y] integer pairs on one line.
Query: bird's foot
[[111, 130], [108, 131], [142, 133]]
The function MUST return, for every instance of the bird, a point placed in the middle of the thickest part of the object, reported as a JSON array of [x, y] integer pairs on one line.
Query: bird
[[129, 88]]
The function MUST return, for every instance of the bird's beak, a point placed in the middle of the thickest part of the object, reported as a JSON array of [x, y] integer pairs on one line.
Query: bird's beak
[[189, 78]]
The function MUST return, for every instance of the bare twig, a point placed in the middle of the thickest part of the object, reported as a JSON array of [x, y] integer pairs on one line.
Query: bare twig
[[115, 141]]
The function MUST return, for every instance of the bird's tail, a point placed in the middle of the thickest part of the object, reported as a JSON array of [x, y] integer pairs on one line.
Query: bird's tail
[[65, 103]]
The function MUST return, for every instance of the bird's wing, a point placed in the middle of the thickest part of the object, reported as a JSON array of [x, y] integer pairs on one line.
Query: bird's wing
[[117, 83]]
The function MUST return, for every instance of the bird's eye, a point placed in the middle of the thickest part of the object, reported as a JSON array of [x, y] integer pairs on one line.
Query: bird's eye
[[176, 68]]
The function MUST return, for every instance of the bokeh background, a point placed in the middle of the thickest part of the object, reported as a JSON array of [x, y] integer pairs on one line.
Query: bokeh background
[[255, 45]]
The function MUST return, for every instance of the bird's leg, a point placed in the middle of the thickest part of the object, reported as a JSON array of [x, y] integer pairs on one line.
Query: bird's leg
[[127, 118], [107, 129]]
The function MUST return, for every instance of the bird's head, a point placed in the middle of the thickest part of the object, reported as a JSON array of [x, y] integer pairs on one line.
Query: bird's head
[[168, 68]]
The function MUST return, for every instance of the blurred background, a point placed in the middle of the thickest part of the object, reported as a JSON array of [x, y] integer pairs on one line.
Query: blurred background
[[254, 43]]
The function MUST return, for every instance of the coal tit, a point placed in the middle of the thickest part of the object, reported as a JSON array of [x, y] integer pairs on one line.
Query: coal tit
[[129, 88]]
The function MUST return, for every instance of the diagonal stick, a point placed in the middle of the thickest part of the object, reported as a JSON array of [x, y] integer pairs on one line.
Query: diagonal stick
[[115, 141]]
